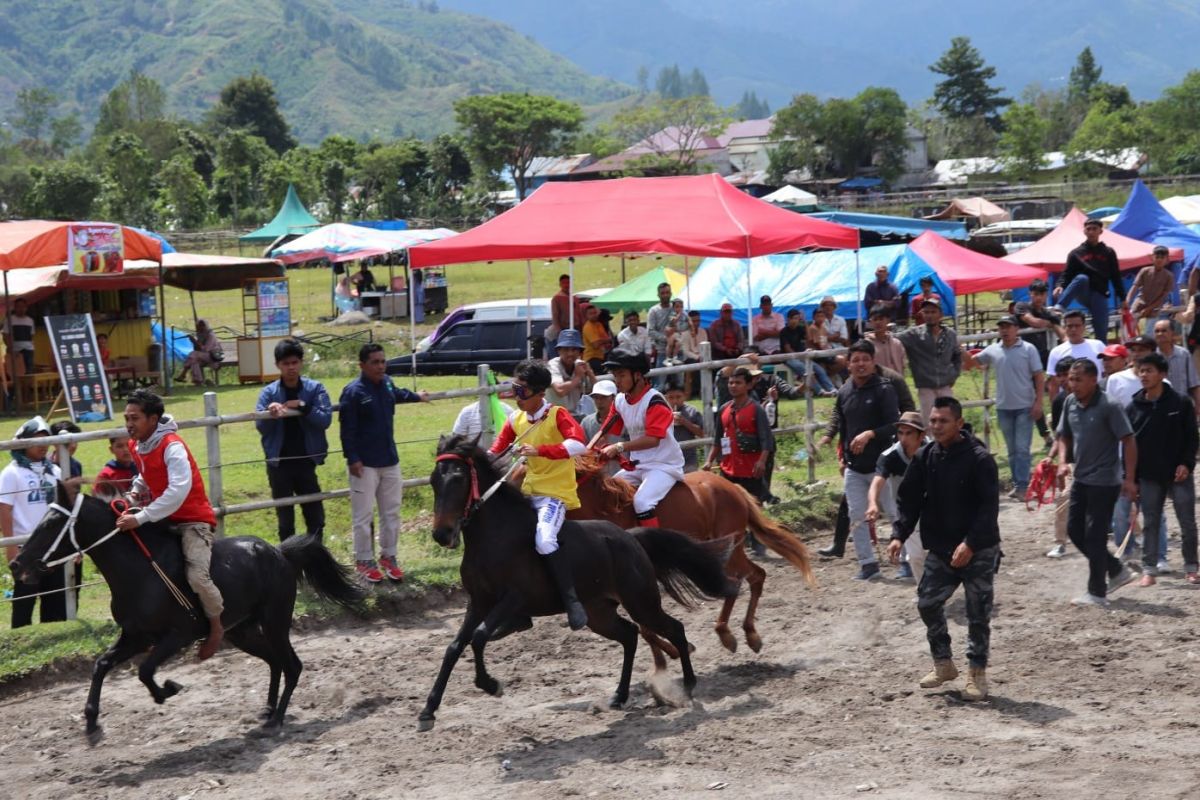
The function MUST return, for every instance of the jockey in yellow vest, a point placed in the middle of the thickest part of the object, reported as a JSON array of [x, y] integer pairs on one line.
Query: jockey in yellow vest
[[548, 437]]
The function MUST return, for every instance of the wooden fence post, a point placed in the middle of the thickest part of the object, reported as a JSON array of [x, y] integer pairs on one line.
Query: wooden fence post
[[706, 391], [487, 430], [212, 438]]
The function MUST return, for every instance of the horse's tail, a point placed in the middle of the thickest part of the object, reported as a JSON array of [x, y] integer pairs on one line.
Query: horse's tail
[[329, 579], [689, 571], [779, 538]]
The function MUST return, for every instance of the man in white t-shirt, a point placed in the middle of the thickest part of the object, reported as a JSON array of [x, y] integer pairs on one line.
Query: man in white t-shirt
[[469, 423], [27, 487], [1120, 383], [836, 327], [1076, 346]]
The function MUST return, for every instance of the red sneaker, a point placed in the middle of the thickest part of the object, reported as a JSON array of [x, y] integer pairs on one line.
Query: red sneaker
[[389, 567], [369, 572]]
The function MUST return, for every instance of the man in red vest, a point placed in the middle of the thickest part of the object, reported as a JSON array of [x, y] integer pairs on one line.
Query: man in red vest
[[169, 487]]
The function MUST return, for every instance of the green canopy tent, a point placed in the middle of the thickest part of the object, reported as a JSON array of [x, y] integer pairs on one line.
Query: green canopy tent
[[641, 293], [293, 218]]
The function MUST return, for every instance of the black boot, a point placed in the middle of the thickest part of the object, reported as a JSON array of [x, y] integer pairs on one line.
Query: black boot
[[841, 532], [560, 569]]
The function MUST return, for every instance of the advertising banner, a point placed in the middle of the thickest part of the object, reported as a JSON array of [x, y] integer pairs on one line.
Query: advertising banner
[[85, 386]]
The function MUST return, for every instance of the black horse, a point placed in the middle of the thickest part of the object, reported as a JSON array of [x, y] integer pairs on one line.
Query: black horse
[[508, 582], [256, 579]]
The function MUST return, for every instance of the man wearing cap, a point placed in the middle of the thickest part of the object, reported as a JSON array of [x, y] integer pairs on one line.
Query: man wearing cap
[[951, 489], [889, 471], [725, 335], [652, 460], [835, 326], [767, 324], [1181, 369], [1020, 390], [602, 396], [933, 356], [570, 375], [1152, 287], [1120, 381], [867, 410], [918, 316], [1091, 269], [1034, 313], [657, 321], [28, 486], [888, 350], [883, 293]]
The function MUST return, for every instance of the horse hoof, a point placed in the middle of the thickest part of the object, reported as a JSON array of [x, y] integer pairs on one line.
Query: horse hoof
[[754, 641], [171, 688], [727, 640], [425, 724], [491, 686], [616, 702], [94, 733]]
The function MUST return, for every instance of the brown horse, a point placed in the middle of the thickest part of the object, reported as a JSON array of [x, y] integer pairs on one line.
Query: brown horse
[[704, 506]]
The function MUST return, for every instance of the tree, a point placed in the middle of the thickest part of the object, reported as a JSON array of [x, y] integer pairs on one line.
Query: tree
[[240, 158], [389, 176], [1105, 131], [669, 82], [33, 113], [336, 158], [1061, 116], [670, 132], [128, 181], [1172, 133], [183, 197], [131, 105], [249, 104], [750, 107], [643, 79], [62, 190], [966, 91], [511, 129], [1084, 77], [1020, 144]]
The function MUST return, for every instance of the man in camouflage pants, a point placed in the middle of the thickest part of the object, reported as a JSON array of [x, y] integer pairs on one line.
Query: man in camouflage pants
[[951, 487]]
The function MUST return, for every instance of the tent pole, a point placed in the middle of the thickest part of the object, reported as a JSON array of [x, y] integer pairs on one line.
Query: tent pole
[[749, 307], [687, 286], [570, 291], [11, 367], [166, 358], [529, 308], [622, 267], [192, 297], [858, 323], [412, 318]]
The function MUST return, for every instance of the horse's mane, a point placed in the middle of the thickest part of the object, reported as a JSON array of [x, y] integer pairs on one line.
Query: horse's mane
[[614, 494]]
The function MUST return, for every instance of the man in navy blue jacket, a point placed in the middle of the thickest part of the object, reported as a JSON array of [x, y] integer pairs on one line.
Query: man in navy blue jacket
[[368, 408], [294, 444]]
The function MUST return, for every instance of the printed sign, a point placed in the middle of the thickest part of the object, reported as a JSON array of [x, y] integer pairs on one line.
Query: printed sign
[[274, 308], [95, 249], [85, 386]]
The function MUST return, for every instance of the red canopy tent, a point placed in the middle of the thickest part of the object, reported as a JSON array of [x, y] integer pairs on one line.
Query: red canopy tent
[[966, 271], [695, 215], [1050, 252]]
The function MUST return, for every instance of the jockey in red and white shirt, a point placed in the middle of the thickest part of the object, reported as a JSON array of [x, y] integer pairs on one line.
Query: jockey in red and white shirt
[[652, 460]]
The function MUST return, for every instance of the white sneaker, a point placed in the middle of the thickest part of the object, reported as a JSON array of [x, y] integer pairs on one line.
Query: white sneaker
[[1090, 599], [1058, 551], [1126, 575], [1164, 566]]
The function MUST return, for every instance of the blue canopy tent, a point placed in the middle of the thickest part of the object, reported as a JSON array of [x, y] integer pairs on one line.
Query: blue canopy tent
[[801, 280], [1144, 219], [861, 183], [894, 226]]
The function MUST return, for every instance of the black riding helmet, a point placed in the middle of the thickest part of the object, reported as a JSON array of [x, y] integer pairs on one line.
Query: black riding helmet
[[625, 359]]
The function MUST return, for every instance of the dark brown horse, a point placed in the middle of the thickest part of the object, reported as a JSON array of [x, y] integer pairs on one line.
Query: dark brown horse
[[704, 506]]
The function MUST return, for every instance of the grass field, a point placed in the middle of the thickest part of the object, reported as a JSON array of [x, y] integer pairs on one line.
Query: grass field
[[417, 429]]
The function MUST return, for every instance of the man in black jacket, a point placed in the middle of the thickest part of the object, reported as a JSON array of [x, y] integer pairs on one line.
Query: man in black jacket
[[1091, 269], [1164, 424], [868, 411], [953, 489]]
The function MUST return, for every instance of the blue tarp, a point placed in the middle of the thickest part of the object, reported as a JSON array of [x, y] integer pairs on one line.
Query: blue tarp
[[801, 280], [166, 246], [1144, 219], [895, 226], [182, 345], [382, 224], [861, 183], [1103, 211]]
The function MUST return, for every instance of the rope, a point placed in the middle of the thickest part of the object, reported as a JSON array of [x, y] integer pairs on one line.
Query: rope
[[51, 591]]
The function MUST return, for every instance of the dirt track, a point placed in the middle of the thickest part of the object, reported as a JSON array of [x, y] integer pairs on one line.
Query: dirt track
[[1085, 703]]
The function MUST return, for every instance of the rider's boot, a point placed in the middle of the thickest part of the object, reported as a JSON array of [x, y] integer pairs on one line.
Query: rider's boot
[[215, 634], [560, 569], [841, 533], [648, 519]]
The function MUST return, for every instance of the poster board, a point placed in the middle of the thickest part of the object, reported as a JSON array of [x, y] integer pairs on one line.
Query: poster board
[[85, 385], [95, 248]]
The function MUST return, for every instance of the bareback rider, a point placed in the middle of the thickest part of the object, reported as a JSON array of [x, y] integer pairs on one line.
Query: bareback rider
[[170, 481], [654, 459], [548, 437]]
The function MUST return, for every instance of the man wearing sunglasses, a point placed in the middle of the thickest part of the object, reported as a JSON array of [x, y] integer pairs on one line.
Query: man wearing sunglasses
[[549, 438], [655, 458]]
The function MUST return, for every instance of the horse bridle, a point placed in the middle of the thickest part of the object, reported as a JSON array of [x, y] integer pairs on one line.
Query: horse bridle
[[474, 498], [68, 528]]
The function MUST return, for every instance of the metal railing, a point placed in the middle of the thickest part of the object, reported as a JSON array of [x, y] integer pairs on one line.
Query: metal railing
[[213, 420]]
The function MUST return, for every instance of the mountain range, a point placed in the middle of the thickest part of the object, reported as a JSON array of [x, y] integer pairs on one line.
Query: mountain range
[[358, 67], [781, 47]]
